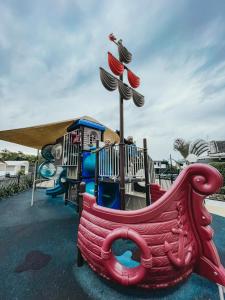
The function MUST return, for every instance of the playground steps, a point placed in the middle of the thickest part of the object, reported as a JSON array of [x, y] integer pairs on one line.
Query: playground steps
[[135, 200]]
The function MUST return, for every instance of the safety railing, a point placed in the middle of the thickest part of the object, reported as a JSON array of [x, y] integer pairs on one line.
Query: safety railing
[[71, 148], [133, 161], [109, 161], [165, 180]]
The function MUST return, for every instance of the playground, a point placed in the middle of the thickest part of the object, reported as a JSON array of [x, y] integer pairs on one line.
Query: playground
[[106, 219], [49, 229]]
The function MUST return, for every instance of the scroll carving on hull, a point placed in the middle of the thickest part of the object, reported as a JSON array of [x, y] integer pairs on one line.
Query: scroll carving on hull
[[173, 233]]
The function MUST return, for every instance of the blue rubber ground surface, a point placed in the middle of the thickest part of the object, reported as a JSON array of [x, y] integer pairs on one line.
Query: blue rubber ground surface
[[46, 234]]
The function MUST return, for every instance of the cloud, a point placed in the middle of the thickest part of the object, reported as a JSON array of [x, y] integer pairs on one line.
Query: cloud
[[50, 53]]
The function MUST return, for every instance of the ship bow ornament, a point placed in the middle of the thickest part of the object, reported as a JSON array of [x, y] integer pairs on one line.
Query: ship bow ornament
[[173, 234]]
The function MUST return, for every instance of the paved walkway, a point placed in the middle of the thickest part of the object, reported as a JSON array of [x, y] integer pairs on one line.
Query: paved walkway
[[215, 207], [46, 229]]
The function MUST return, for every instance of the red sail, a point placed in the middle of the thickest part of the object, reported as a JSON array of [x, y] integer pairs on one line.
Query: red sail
[[133, 79], [115, 65]]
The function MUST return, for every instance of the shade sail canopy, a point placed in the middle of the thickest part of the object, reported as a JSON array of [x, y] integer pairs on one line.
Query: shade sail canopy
[[40, 135]]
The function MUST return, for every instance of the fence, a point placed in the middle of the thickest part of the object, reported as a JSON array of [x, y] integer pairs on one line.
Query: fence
[[164, 180], [11, 186], [109, 161]]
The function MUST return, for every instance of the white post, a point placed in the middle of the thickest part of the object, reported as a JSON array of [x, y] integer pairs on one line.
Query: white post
[[34, 179], [221, 291]]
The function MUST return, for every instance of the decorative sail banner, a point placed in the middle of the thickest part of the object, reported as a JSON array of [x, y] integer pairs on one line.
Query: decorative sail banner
[[124, 54], [108, 80], [133, 79], [124, 90], [115, 65], [111, 83], [118, 68], [138, 99]]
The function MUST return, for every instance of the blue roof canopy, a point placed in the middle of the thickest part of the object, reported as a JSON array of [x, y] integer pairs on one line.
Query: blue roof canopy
[[86, 123]]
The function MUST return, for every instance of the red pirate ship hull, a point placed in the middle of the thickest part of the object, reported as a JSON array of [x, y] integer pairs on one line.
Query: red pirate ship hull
[[172, 234]]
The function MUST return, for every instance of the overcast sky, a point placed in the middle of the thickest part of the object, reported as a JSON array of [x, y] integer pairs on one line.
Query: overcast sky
[[50, 53]]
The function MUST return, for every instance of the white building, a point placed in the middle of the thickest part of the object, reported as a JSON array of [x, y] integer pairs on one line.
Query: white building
[[13, 167], [160, 166], [216, 153]]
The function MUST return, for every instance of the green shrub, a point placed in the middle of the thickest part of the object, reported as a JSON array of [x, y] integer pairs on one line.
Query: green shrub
[[220, 166], [222, 191], [16, 186], [21, 172]]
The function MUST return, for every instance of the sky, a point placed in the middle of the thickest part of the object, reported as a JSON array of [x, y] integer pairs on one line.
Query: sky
[[51, 51]]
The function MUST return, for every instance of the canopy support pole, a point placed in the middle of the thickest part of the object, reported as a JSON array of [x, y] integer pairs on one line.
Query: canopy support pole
[[34, 179], [221, 290], [146, 169]]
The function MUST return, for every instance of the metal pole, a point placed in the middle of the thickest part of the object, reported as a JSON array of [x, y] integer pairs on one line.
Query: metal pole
[[79, 177], [147, 185], [80, 260], [34, 179], [66, 195], [97, 170], [221, 291], [171, 170], [18, 179], [121, 154]]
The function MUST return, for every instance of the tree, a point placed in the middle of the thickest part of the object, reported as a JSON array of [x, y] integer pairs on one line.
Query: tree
[[8, 155], [182, 146]]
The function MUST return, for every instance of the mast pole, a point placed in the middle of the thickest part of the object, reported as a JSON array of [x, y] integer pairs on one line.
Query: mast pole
[[121, 153], [126, 57], [97, 171]]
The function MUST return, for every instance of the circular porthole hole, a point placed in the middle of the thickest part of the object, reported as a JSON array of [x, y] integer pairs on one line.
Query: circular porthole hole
[[127, 253]]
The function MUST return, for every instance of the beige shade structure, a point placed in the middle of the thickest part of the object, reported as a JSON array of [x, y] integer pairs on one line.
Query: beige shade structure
[[40, 135]]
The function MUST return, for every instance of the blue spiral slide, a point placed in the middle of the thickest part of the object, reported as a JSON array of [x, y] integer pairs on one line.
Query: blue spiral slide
[[60, 187], [47, 170]]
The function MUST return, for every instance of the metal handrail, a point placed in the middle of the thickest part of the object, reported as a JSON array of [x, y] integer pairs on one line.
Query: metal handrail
[[109, 161], [71, 150]]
